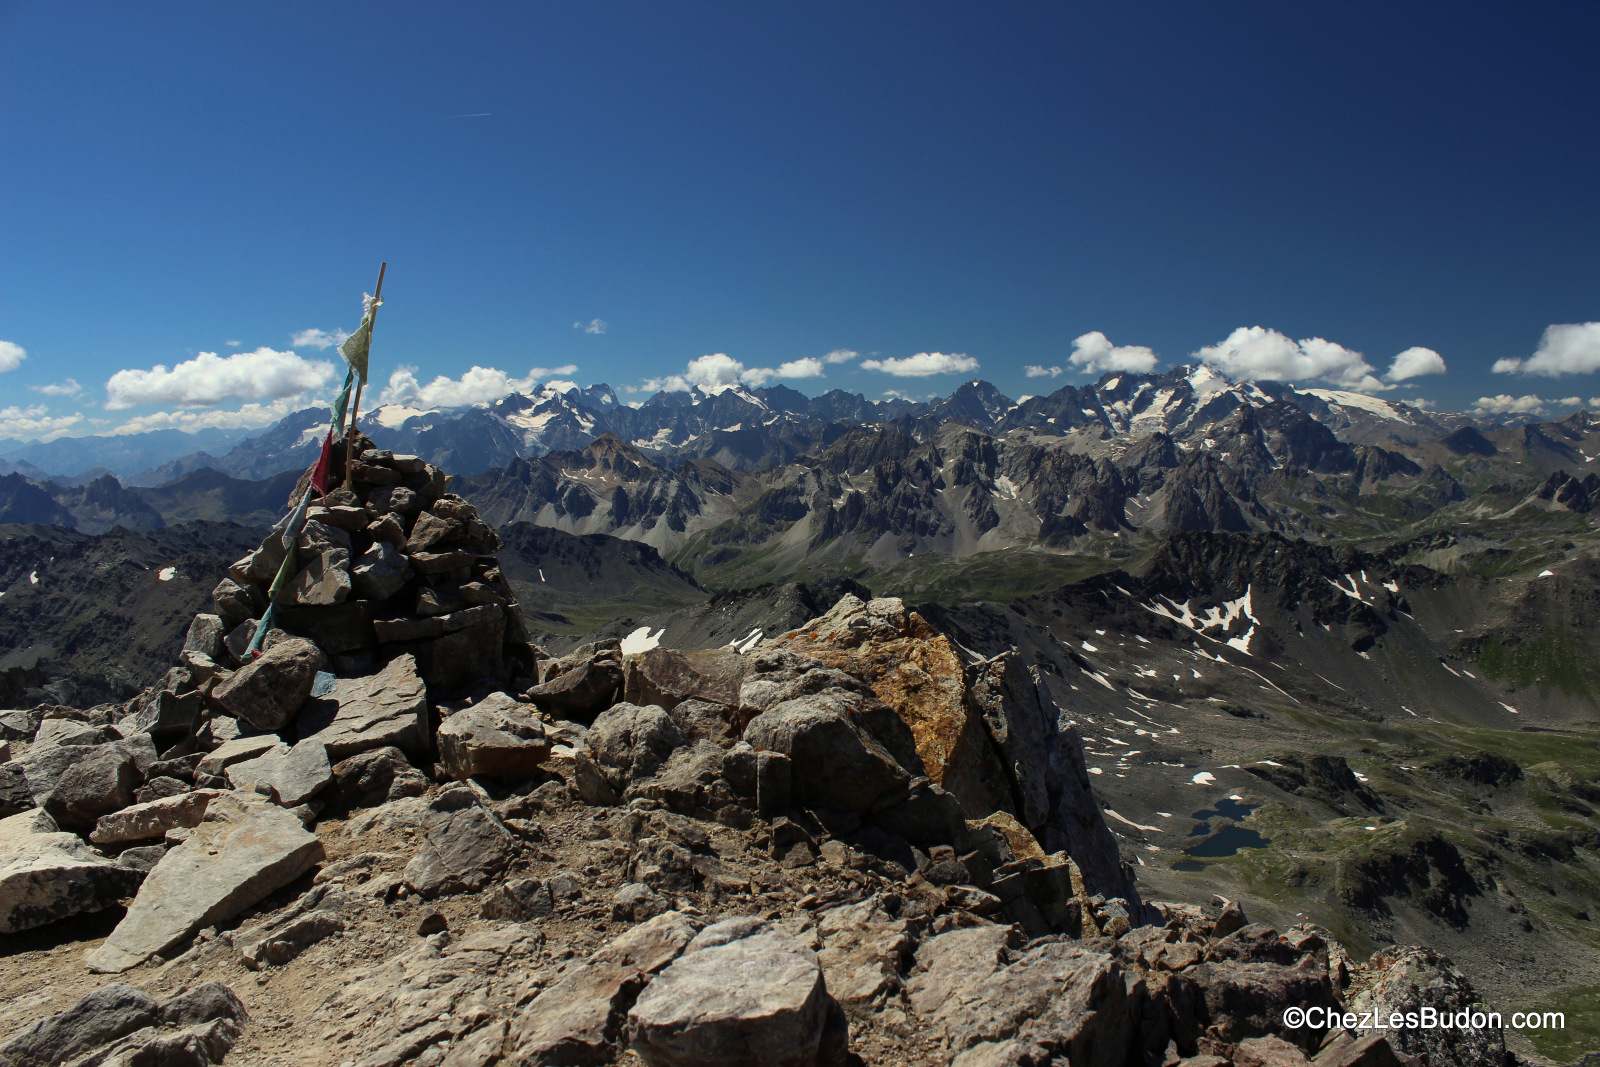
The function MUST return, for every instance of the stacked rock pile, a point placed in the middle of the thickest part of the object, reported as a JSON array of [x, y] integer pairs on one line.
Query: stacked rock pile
[[849, 841]]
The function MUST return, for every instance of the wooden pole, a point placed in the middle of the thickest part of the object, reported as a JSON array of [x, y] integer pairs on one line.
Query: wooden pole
[[355, 407]]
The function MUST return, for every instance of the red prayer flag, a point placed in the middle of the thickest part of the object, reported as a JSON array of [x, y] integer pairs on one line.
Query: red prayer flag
[[320, 472]]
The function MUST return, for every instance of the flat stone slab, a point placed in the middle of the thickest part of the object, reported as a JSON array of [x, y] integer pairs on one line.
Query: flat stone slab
[[495, 738], [152, 819], [47, 875], [387, 708], [248, 848], [297, 774]]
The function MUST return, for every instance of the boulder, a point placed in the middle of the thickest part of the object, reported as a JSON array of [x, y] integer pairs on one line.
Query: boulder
[[169, 716], [584, 688], [324, 581], [377, 776], [245, 849], [833, 763], [380, 572], [47, 875], [269, 691], [463, 846], [98, 1018], [283, 935], [153, 819], [520, 900], [295, 774], [101, 783], [666, 677], [580, 1019], [19, 724], [496, 738], [205, 636], [470, 650], [631, 742], [389, 708], [235, 603], [1058, 998], [742, 992], [236, 750], [118, 1024], [430, 530], [1408, 979]]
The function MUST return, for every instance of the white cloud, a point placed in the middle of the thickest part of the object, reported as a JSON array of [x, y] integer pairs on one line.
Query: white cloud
[[923, 365], [717, 371], [841, 355], [1258, 353], [312, 339], [480, 385], [1420, 403], [1573, 348], [1033, 370], [208, 379], [1594, 401], [233, 344], [35, 423], [1506, 404], [1570, 402], [11, 355], [1415, 362], [592, 326], [246, 417], [795, 368], [69, 387], [1094, 352]]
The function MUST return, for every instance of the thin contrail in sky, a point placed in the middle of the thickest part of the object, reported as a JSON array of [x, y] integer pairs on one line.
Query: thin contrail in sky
[[475, 115]]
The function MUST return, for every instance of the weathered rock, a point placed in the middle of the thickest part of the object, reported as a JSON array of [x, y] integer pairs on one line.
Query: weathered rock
[[1057, 998], [387, 529], [636, 902], [261, 565], [142, 857], [15, 796], [323, 581], [19, 724], [47, 875], [295, 775], [376, 776], [234, 751], [430, 530], [865, 949], [666, 676], [380, 572], [153, 819], [205, 636], [951, 967], [742, 992], [496, 738], [282, 936], [471, 649], [389, 708], [1409, 979], [97, 1019], [235, 603], [464, 846], [269, 691], [242, 852], [580, 1019], [833, 763], [519, 900], [169, 716], [583, 689], [97, 785], [630, 742]]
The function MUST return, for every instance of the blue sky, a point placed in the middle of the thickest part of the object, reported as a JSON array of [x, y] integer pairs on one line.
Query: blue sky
[[964, 190]]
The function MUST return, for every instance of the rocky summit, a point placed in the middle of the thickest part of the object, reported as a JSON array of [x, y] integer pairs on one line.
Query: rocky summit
[[403, 833]]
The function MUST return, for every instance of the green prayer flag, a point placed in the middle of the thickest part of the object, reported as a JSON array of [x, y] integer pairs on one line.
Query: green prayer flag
[[341, 405], [356, 346]]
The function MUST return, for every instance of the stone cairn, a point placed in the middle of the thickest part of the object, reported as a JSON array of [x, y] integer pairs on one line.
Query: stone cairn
[[852, 843]]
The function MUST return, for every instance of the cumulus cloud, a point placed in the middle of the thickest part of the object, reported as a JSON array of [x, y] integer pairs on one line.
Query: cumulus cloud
[[718, 370], [69, 387], [35, 422], [480, 385], [1033, 370], [592, 326], [208, 379], [312, 339], [246, 417], [1573, 348], [1506, 404], [795, 368], [1258, 353], [1414, 362], [841, 355], [11, 355], [233, 344], [1094, 352], [923, 364], [1420, 403]]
